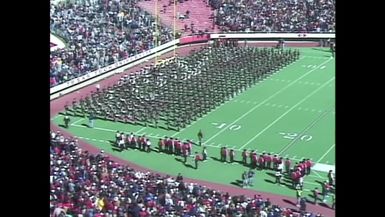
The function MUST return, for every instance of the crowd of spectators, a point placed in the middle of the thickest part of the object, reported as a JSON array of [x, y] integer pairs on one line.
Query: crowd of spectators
[[98, 33], [275, 15], [88, 185]]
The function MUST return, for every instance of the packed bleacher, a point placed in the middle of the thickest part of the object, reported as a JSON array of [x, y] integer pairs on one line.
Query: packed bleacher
[[87, 185], [275, 15], [99, 34]]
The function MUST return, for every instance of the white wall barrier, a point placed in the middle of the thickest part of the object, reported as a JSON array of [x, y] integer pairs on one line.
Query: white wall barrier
[[120, 66], [273, 35]]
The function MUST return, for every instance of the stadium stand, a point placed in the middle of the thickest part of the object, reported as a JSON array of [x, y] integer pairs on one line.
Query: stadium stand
[[192, 16], [99, 34], [275, 15], [87, 185]]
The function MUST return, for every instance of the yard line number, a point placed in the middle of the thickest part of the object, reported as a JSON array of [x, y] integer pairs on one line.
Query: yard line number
[[292, 136], [233, 127]]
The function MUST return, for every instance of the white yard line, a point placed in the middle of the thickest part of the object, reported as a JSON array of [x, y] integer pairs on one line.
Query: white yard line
[[56, 117], [141, 129], [312, 124], [311, 183], [316, 57], [318, 174], [284, 114], [74, 123], [264, 101], [96, 128], [232, 100], [149, 136], [327, 152]]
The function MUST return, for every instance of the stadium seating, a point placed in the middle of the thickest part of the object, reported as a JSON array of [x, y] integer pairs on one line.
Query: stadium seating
[[199, 14], [99, 34], [275, 15]]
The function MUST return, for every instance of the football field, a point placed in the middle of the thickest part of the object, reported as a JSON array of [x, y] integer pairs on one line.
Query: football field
[[290, 113]]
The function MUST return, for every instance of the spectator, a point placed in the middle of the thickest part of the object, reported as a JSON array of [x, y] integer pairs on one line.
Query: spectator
[[303, 204], [97, 87], [98, 35], [83, 184], [275, 16]]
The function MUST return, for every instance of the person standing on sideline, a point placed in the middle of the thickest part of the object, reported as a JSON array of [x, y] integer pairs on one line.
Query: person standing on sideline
[[332, 49], [91, 119], [232, 155], [117, 137], [299, 195], [197, 158], [287, 166], [244, 179], [309, 164], [302, 204], [316, 194], [97, 87], [160, 145], [331, 177], [148, 145], [325, 191], [66, 121], [200, 137], [204, 154], [224, 153], [185, 154], [244, 156], [250, 177], [278, 177], [121, 144]]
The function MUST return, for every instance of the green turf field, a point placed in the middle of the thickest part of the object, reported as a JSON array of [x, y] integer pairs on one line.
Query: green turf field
[[291, 113]]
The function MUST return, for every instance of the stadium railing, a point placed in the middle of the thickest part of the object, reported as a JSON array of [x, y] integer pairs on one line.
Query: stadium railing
[[118, 67]]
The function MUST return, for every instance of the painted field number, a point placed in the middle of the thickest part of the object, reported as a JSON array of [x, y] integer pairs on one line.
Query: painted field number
[[233, 127], [292, 136]]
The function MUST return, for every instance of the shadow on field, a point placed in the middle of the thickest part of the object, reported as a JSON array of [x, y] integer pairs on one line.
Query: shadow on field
[[237, 183]]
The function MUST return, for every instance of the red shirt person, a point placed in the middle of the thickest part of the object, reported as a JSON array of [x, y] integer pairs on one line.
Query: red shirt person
[[197, 158], [244, 157], [161, 145], [287, 165]]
